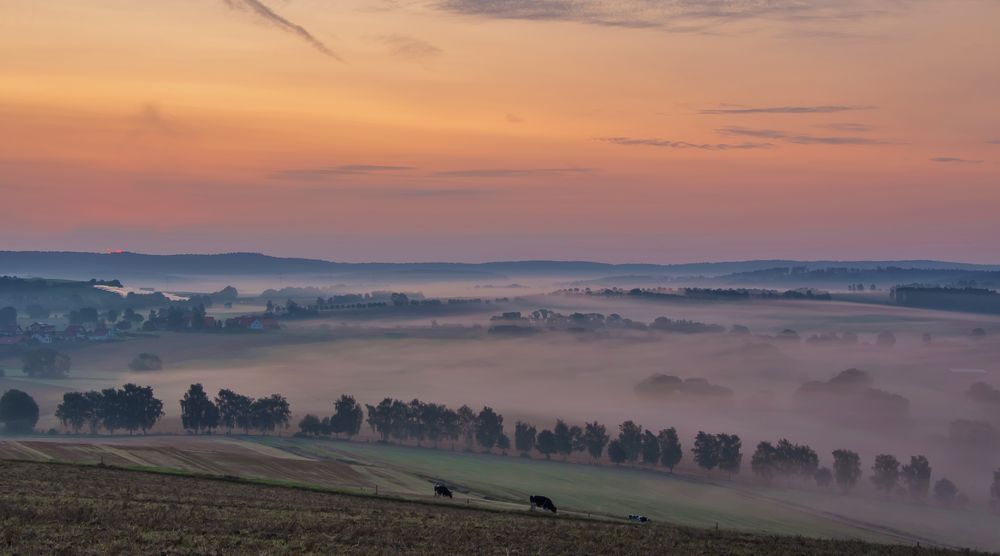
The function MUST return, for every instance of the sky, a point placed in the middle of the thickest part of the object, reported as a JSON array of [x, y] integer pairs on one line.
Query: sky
[[473, 130]]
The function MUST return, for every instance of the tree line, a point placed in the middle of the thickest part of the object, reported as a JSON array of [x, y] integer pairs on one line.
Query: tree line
[[134, 408], [789, 461], [419, 421], [232, 411]]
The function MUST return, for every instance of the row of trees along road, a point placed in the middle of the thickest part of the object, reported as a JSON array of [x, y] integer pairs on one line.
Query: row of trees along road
[[230, 410], [790, 462], [631, 444], [133, 408], [419, 421], [346, 420]]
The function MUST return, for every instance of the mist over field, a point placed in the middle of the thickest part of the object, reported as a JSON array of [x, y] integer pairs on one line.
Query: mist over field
[[750, 383]]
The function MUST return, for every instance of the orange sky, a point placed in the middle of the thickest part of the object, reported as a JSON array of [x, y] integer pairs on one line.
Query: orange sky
[[625, 130]]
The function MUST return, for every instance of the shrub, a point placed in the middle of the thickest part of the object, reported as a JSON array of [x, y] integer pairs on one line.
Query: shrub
[[146, 362], [18, 412]]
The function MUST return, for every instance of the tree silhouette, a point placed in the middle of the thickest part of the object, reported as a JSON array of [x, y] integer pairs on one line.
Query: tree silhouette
[[380, 420], [595, 438], [916, 475], [730, 456], [467, 424], [198, 413], [45, 362], [706, 450], [823, 477], [503, 443], [270, 413], [418, 420], [94, 398], [764, 462], [670, 448], [846, 469], [546, 443], [524, 437], [489, 428], [18, 412], [140, 409], [576, 439], [75, 411], [945, 492], [234, 410], [347, 416], [995, 491], [563, 438], [110, 409], [616, 452], [630, 436], [650, 448], [450, 426], [146, 362], [885, 473], [311, 424]]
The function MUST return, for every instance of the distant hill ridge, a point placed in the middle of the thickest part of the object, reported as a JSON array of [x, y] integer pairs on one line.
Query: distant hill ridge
[[114, 265]]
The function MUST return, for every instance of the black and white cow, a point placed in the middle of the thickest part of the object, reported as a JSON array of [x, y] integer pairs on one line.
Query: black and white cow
[[542, 502], [638, 518], [441, 490]]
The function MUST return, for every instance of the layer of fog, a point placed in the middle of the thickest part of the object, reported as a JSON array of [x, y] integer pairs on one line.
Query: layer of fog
[[593, 376]]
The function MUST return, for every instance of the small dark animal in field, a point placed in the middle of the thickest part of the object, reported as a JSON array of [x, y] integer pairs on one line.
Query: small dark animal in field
[[638, 518], [543, 503], [441, 490]]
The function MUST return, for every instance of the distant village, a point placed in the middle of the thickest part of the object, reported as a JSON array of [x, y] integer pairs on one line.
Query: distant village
[[172, 320]]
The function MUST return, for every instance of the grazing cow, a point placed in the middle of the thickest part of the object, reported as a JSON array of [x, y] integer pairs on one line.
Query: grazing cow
[[441, 490], [543, 503], [638, 518]]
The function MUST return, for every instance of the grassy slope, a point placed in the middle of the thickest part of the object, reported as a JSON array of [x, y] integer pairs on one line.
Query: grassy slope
[[54, 508], [586, 489]]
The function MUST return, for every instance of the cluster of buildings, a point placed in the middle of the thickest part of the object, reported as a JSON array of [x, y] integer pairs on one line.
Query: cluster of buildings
[[253, 323], [42, 333]]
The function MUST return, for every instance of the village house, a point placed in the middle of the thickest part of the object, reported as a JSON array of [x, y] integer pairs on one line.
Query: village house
[[253, 323], [102, 333]]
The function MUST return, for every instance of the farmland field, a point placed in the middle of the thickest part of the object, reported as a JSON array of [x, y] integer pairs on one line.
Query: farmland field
[[54, 508], [504, 483]]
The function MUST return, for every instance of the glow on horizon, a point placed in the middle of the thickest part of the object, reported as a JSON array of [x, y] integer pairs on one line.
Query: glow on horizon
[[468, 130]]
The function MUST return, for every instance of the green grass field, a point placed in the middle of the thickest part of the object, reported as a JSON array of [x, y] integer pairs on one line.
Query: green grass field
[[590, 489], [48, 508]]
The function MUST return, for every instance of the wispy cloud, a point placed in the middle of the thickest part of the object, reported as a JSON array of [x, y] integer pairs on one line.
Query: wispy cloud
[[670, 144], [259, 9], [411, 48], [993, 141], [509, 172], [150, 120], [798, 138], [677, 15], [846, 126], [334, 171], [752, 132], [955, 160], [440, 192], [827, 109], [833, 140]]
